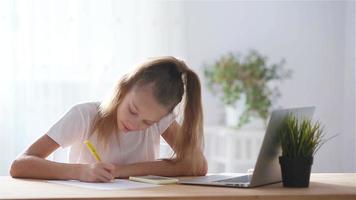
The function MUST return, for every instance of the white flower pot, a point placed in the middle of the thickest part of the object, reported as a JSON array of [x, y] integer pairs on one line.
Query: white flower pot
[[234, 112]]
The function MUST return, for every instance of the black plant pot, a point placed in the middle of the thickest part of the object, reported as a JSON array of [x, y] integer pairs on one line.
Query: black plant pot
[[296, 171]]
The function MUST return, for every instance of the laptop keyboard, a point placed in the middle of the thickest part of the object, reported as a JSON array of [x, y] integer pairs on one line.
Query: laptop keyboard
[[239, 179]]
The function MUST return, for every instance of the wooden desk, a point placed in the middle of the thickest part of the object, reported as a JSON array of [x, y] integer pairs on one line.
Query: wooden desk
[[323, 186]]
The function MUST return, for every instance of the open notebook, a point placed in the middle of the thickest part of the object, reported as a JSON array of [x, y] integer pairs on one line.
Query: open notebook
[[117, 184]]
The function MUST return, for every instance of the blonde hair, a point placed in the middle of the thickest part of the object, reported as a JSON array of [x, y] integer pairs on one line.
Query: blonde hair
[[172, 79]]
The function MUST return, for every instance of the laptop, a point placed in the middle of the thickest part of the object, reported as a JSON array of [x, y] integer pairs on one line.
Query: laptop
[[267, 169]]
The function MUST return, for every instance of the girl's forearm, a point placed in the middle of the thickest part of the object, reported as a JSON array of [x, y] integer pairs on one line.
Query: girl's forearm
[[160, 168], [40, 168]]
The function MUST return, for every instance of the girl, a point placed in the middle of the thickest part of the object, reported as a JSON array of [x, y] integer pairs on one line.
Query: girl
[[126, 130]]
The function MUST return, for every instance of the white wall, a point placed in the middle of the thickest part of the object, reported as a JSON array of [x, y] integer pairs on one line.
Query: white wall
[[317, 39], [348, 146]]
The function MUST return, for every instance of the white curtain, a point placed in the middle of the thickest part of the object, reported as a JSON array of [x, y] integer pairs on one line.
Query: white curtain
[[54, 54]]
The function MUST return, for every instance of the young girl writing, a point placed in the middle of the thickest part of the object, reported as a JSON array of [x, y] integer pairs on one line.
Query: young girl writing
[[126, 130]]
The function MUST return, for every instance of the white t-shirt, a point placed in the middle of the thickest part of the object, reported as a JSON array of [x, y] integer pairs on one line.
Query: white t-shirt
[[132, 147]]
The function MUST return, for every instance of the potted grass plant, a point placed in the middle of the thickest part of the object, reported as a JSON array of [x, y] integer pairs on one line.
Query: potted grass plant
[[300, 140]]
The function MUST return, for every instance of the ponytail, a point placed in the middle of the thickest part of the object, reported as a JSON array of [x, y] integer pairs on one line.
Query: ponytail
[[189, 142]]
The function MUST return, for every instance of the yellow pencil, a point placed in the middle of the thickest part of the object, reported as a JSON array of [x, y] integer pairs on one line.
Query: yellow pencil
[[92, 150]]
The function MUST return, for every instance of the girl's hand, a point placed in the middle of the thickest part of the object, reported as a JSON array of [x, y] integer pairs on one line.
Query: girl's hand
[[98, 172]]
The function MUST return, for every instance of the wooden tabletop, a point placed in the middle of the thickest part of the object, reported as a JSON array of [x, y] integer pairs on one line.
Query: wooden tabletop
[[322, 186]]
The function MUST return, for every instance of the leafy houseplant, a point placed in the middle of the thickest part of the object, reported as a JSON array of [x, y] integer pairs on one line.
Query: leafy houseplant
[[300, 140], [237, 77]]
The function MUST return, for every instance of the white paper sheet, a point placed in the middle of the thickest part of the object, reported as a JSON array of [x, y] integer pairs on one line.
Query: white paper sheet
[[117, 184]]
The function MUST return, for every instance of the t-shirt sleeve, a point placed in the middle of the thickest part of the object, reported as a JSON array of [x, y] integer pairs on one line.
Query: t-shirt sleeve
[[70, 128], [165, 122]]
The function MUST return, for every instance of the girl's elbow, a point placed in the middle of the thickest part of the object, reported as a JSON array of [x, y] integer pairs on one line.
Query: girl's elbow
[[199, 168], [15, 171], [203, 168], [18, 167]]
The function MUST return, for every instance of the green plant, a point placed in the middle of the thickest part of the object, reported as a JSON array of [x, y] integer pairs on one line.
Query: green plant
[[233, 76], [300, 138]]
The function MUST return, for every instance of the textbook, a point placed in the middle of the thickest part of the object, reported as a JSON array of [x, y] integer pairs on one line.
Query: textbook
[[159, 180]]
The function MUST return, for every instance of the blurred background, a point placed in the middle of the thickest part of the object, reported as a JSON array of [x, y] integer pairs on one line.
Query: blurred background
[[55, 54]]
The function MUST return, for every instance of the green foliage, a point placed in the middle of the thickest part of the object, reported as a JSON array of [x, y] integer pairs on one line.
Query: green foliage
[[300, 138], [233, 76]]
